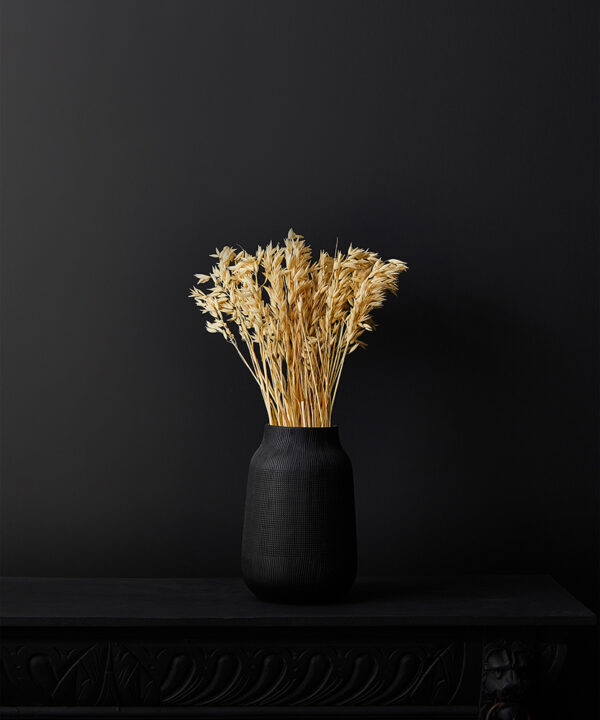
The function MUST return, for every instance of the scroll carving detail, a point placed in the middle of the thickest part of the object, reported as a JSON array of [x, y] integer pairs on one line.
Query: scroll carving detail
[[114, 673]]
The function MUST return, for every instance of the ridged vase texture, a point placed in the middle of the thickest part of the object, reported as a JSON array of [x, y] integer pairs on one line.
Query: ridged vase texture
[[299, 537]]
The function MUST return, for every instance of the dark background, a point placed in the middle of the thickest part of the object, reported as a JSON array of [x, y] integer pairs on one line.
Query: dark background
[[460, 137]]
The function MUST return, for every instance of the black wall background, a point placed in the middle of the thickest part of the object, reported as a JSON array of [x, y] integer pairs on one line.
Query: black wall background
[[460, 137]]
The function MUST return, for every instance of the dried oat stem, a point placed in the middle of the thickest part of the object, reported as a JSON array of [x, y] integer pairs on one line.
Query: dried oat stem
[[293, 321]]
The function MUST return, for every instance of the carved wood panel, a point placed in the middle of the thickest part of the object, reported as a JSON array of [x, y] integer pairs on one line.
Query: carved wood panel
[[191, 673]]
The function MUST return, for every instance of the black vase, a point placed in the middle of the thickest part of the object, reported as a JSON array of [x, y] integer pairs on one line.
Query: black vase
[[299, 539]]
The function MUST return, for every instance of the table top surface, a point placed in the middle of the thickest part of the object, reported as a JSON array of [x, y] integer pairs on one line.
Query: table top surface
[[417, 601]]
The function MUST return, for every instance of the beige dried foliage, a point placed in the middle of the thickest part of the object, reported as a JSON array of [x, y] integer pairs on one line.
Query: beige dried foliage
[[293, 321]]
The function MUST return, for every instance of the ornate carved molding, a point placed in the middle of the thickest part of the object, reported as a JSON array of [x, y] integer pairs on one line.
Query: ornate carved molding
[[193, 674]]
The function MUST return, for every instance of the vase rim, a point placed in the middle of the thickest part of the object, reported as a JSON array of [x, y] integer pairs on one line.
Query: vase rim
[[297, 433], [303, 427]]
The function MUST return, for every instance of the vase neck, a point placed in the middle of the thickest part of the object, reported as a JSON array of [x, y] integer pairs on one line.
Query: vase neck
[[311, 435]]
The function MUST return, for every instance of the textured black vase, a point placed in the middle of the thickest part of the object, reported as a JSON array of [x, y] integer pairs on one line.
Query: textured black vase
[[299, 540]]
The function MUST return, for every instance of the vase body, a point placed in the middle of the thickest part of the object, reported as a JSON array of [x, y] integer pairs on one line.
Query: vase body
[[299, 538]]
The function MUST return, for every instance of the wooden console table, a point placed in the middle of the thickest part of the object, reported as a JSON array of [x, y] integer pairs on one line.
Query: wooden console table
[[421, 647]]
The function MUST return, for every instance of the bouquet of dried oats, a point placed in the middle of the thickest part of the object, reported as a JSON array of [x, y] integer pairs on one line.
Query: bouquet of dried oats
[[293, 320]]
